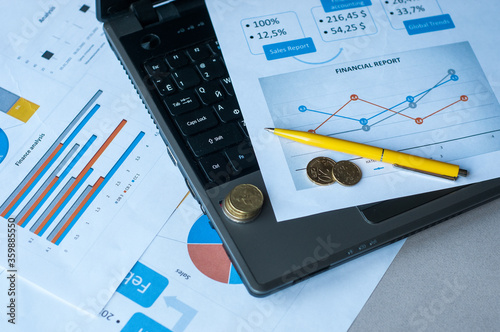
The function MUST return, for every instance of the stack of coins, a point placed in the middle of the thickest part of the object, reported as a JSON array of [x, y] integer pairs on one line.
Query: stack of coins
[[243, 203], [325, 171]]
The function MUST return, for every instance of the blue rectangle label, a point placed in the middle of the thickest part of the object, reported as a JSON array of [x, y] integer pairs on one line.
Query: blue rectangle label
[[142, 323], [143, 285], [429, 24], [289, 48], [334, 5]]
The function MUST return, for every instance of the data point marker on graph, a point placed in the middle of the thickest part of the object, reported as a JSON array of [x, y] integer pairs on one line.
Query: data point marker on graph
[[389, 112]]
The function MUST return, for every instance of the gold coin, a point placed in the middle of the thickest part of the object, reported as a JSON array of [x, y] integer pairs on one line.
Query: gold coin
[[243, 203], [319, 171], [346, 173]]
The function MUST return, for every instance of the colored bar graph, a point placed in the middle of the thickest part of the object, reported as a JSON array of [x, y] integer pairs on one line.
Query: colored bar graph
[[52, 204], [78, 181], [91, 195], [25, 218], [61, 204], [21, 194], [34, 176], [67, 215], [38, 202], [37, 198], [55, 193]]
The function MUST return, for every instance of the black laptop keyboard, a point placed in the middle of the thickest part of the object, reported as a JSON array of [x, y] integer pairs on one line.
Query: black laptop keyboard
[[198, 96]]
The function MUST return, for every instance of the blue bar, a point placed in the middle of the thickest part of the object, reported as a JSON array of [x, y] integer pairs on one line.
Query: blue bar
[[81, 125], [63, 147], [98, 190], [61, 178], [79, 184], [49, 151], [429, 24], [289, 48], [334, 5]]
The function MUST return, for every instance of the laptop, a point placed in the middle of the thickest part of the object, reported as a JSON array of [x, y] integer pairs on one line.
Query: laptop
[[170, 52]]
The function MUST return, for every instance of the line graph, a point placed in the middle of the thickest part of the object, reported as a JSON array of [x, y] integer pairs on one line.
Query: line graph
[[435, 103], [410, 102]]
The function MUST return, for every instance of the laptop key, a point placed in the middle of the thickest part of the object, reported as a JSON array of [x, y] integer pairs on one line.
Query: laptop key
[[210, 92], [228, 85], [214, 46], [196, 121], [241, 156], [186, 78], [243, 127], [199, 52], [155, 66], [214, 139], [228, 110], [211, 69], [176, 60], [216, 167], [181, 102], [164, 85]]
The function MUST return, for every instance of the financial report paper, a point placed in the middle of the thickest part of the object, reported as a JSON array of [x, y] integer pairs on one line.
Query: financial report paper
[[420, 77]]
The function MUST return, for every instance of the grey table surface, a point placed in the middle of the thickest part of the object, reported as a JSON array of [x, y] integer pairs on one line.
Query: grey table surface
[[446, 278]]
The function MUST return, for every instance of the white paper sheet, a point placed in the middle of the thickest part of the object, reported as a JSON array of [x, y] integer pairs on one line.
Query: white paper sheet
[[417, 77], [85, 177], [171, 290]]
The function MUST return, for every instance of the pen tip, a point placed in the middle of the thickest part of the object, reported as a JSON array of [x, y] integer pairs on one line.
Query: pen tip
[[271, 130]]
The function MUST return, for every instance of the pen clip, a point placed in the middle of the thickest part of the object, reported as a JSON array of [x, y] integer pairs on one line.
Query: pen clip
[[425, 172]]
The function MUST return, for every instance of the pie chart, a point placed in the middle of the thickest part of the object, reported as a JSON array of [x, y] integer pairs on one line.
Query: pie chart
[[208, 255], [4, 145]]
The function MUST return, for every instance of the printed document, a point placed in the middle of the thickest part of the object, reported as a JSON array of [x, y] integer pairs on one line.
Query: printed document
[[86, 182], [420, 77]]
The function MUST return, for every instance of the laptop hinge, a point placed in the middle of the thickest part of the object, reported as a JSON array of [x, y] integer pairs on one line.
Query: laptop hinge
[[144, 11]]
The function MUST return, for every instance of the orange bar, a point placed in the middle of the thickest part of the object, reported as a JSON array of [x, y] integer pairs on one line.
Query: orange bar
[[81, 175], [78, 209], [21, 193], [54, 180]]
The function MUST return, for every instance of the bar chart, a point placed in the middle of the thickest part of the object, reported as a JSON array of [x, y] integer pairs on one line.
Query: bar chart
[[56, 192]]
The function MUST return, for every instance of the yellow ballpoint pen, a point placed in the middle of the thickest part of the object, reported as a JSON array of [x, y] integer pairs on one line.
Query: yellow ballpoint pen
[[398, 159]]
